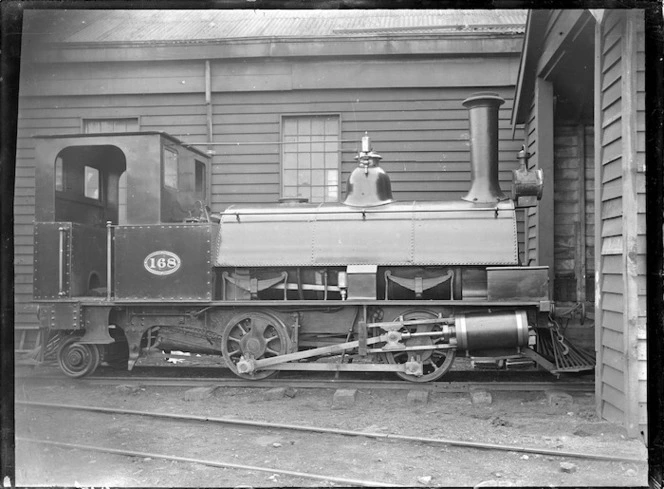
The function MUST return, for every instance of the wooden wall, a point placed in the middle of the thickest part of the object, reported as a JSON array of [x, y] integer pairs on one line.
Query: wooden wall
[[416, 122], [620, 221], [422, 135], [574, 203]]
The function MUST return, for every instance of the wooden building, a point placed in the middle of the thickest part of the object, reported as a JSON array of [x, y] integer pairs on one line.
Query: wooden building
[[254, 83], [580, 98]]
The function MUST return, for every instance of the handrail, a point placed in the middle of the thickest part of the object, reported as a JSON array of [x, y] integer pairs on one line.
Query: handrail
[[61, 261], [109, 247]]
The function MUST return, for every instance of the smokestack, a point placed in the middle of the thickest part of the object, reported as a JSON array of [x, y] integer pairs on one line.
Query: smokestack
[[483, 116]]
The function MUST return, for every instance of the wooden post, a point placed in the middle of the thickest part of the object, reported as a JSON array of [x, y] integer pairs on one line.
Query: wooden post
[[599, 368], [580, 258], [544, 152], [630, 231]]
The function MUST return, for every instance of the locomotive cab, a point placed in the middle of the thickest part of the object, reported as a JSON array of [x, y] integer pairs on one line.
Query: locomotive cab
[[89, 182]]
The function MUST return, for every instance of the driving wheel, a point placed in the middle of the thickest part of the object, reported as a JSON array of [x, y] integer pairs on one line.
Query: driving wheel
[[435, 363], [254, 335]]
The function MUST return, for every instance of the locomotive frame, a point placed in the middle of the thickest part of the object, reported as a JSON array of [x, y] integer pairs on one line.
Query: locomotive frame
[[377, 284]]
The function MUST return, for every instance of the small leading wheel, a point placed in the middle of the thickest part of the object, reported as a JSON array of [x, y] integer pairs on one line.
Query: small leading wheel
[[254, 335], [436, 363], [77, 360]]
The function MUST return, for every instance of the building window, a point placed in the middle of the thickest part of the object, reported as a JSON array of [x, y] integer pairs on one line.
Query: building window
[[310, 158], [170, 168], [110, 125]]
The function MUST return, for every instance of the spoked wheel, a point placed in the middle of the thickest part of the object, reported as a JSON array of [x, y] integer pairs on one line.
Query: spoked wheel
[[436, 363], [254, 335], [78, 360]]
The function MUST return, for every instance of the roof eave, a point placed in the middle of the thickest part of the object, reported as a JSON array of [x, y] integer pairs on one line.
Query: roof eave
[[271, 47], [523, 91]]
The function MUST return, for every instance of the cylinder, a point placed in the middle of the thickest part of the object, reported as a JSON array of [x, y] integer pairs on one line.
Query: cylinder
[[483, 117], [491, 331]]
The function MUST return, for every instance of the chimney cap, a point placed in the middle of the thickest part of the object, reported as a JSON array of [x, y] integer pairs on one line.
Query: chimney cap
[[488, 97]]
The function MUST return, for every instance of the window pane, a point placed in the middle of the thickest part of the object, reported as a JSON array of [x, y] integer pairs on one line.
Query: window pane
[[290, 126], [91, 183], [317, 194], [332, 177], [290, 161], [304, 160], [331, 160], [304, 126], [304, 177], [290, 177], [59, 175], [199, 180], [170, 168], [317, 178], [318, 127], [332, 125], [332, 194], [318, 160]]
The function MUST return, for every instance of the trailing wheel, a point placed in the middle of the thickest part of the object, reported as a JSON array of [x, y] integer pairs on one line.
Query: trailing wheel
[[78, 360], [436, 363], [254, 335]]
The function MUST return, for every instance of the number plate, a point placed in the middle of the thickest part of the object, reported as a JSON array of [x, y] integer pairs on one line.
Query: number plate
[[162, 263]]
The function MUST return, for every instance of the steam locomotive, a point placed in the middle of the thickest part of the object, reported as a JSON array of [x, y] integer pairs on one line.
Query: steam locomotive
[[124, 267]]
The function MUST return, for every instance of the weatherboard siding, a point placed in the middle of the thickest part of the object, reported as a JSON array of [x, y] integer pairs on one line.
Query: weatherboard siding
[[621, 284]]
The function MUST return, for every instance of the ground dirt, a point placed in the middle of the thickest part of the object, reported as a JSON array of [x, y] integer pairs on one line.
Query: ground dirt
[[518, 419]]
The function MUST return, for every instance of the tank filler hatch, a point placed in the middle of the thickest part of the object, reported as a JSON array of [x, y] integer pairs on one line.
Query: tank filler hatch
[[368, 184]]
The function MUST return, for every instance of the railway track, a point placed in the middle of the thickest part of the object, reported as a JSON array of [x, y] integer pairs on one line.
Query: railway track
[[458, 381], [318, 429], [258, 429]]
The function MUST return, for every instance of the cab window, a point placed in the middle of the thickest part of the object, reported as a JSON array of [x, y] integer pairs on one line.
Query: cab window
[[199, 180], [92, 183], [170, 168]]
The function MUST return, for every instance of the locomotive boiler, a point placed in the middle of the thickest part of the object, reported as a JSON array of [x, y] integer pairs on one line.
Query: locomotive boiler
[[135, 262]]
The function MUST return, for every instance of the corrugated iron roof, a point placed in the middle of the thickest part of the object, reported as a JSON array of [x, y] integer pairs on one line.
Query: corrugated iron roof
[[117, 26]]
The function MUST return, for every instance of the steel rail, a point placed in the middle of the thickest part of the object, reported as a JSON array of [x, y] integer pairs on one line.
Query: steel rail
[[336, 431], [353, 384], [435, 387], [212, 463]]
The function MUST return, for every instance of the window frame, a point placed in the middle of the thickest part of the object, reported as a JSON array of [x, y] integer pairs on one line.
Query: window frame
[[282, 168], [200, 187], [164, 183], [59, 174], [98, 175]]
